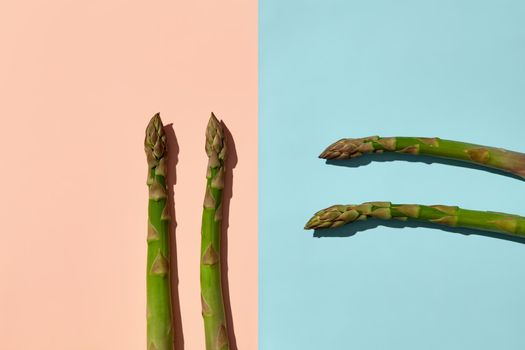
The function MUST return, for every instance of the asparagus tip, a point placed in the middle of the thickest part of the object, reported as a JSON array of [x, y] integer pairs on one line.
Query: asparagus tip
[[155, 141], [213, 128], [313, 223], [215, 140], [155, 121], [349, 148], [339, 215], [340, 149], [327, 152]]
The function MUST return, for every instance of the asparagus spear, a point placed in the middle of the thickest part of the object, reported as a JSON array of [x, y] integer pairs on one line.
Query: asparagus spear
[[159, 328], [210, 265], [339, 215], [497, 158]]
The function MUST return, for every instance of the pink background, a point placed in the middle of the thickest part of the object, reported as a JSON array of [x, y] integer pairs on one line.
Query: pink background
[[79, 80]]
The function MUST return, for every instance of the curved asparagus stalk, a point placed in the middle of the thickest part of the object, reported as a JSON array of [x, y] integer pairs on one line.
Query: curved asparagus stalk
[[491, 157], [210, 270], [159, 328], [339, 215]]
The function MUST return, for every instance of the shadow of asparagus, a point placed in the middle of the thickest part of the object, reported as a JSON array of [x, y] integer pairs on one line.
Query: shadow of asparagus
[[227, 194], [359, 226], [429, 160], [171, 180]]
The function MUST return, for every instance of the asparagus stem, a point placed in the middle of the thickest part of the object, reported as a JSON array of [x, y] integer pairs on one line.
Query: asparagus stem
[[159, 328], [339, 215], [491, 157], [210, 266]]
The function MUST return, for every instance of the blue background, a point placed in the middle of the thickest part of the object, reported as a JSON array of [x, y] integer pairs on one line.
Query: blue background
[[331, 69]]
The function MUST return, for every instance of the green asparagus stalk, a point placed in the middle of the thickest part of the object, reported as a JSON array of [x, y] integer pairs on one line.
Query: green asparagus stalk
[[159, 325], [339, 215], [498, 158], [210, 266]]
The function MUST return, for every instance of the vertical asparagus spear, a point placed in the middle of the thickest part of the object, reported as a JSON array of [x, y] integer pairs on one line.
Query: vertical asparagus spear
[[339, 215], [159, 329], [210, 266], [497, 158]]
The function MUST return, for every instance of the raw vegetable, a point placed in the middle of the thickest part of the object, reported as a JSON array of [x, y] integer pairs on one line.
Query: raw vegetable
[[210, 263], [498, 158], [339, 215], [159, 317]]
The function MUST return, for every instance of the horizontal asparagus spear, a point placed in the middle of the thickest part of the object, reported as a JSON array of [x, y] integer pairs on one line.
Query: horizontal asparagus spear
[[498, 158], [339, 215]]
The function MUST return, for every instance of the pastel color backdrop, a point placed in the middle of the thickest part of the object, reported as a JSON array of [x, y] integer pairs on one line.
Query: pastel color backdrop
[[79, 82], [337, 68]]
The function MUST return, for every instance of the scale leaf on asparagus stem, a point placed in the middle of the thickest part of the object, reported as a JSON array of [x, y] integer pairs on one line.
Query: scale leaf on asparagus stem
[[339, 215], [158, 314], [213, 313], [497, 158]]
